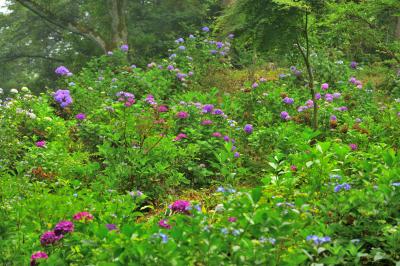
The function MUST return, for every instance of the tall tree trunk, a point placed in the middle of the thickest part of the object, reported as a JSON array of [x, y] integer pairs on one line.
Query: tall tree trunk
[[119, 29]]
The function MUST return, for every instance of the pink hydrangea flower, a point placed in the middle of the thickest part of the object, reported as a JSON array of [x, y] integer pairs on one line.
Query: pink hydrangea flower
[[182, 115], [353, 146], [164, 224], [324, 86], [83, 216], [37, 256]]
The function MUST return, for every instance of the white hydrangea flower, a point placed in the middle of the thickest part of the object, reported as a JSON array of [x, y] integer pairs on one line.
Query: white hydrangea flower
[[14, 91]]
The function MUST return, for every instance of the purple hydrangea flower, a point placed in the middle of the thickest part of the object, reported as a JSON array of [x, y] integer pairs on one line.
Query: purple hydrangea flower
[[255, 85], [218, 112], [231, 36], [285, 115], [318, 96], [182, 48], [288, 100], [205, 29], [111, 227], [62, 71], [208, 108], [63, 97], [344, 186], [248, 129], [353, 64], [236, 155], [333, 118], [63, 228], [49, 238], [80, 116], [124, 48]]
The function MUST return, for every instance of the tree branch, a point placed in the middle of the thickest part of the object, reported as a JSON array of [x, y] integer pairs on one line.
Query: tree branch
[[70, 26]]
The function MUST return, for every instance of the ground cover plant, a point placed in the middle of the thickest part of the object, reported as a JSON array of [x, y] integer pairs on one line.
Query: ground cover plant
[[195, 159]]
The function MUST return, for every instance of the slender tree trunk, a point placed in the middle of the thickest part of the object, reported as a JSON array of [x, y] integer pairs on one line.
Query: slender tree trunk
[[306, 58]]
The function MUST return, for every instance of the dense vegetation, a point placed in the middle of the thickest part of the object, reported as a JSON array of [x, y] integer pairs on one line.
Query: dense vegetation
[[230, 145]]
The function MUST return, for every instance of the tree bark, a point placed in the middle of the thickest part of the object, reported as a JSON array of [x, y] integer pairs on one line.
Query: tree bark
[[71, 26], [119, 28]]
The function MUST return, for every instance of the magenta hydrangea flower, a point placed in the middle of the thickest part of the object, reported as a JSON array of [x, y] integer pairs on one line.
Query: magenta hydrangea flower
[[293, 168], [217, 134], [181, 206], [206, 122], [37, 256], [62, 71], [324, 86], [248, 129], [353, 146], [232, 219], [80, 116], [182, 115], [164, 224], [124, 48], [63, 228], [180, 136], [162, 108], [83, 216], [49, 238], [40, 144]]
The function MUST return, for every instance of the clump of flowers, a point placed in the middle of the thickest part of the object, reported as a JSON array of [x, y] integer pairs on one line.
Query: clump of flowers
[[343, 186], [124, 48], [111, 227], [180, 136], [353, 146], [63, 71], [285, 115], [80, 116], [83, 216], [162, 109], [164, 224], [288, 100], [208, 108], [38, 256], [206, 122], [40, 144], [182, 115], [232, 219], [63, 228], [248, 129], [318, 240], [49, 238], [325, 86], [217, 135], [180, 206], [127, 98], [63, 97]]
